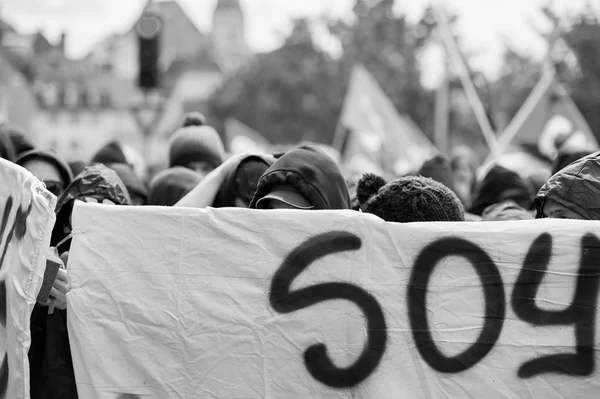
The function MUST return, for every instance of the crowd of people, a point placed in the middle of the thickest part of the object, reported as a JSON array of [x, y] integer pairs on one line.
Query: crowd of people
[[201, 175]]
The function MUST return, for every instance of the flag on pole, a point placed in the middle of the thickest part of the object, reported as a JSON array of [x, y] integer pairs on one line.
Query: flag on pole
[[370, 127], [242, 138], [548, 120]]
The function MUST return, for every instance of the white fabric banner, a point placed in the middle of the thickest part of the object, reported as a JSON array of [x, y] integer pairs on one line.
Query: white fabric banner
[[26, 224], [184, 303]]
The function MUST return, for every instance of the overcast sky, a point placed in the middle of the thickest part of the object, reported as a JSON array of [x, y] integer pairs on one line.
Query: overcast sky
[[486, 25]]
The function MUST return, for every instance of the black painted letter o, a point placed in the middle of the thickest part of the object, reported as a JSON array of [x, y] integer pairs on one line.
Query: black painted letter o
[[495, 303]]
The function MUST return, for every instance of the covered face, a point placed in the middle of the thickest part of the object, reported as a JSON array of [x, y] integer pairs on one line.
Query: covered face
[[304, 178], [573, 192], [55, 174], [98, 184]]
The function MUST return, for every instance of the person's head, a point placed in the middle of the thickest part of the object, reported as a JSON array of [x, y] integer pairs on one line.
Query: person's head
[[499, 185], [464, 174], [55, 174], [137, 190], [96, 184], [304, 178], [197, 147], [439, 169], [240, 184], [171, 185], [504, 211], [573, 192], [409, 199]]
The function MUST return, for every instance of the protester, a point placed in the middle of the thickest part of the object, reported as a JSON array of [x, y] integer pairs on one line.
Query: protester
[[499, 185], [171, 185], [573, 192], [241, 182], [409, 199], [304, 178], [117, 152], [464, 173], [197, 147], [97, 184], [439, 169], [136, 189], [505, 211], [55, 174]]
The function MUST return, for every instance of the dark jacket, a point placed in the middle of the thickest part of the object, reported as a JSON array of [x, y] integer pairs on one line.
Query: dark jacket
[[231, 187], [51, 365], [310, 171], [171, 185], [499, 185], [576, 187]]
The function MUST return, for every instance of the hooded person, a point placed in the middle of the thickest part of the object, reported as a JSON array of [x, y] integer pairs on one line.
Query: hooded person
[[241, 181], [51, 364], [97, 183], [304, 178], [197, 147], [48, 168], [409, 199], [499, 185], [110, 153], [573, 192], [464, 173], [136, 189], [171, 185]]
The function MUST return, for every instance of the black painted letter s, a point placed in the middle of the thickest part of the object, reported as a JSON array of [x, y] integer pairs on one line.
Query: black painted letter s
[[283, 300]]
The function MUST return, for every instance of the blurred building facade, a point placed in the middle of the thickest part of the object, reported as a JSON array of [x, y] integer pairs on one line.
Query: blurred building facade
[[79, 105]]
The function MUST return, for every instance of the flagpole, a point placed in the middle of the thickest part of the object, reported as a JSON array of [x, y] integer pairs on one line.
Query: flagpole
[[467, 83]]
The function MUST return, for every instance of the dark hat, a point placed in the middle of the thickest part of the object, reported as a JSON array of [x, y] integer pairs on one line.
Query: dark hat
[[171, 185], [62, 167], [110, 153], [196, 144], [409, 199]]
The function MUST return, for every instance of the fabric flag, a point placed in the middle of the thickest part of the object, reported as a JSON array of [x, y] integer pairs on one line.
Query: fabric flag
[[238, 303], [547, 120], [27, 221], [242, 138], [371, 127]]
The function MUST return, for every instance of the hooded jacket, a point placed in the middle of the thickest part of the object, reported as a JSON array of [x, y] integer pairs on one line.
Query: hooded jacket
[[63, 168], [229, 191], [51, 364], [312, 173], [95, 181], [576, 187], [499, 185]]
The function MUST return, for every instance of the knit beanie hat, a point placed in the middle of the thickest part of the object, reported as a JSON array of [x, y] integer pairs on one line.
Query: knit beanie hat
[[196, 144], [409, 199]]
